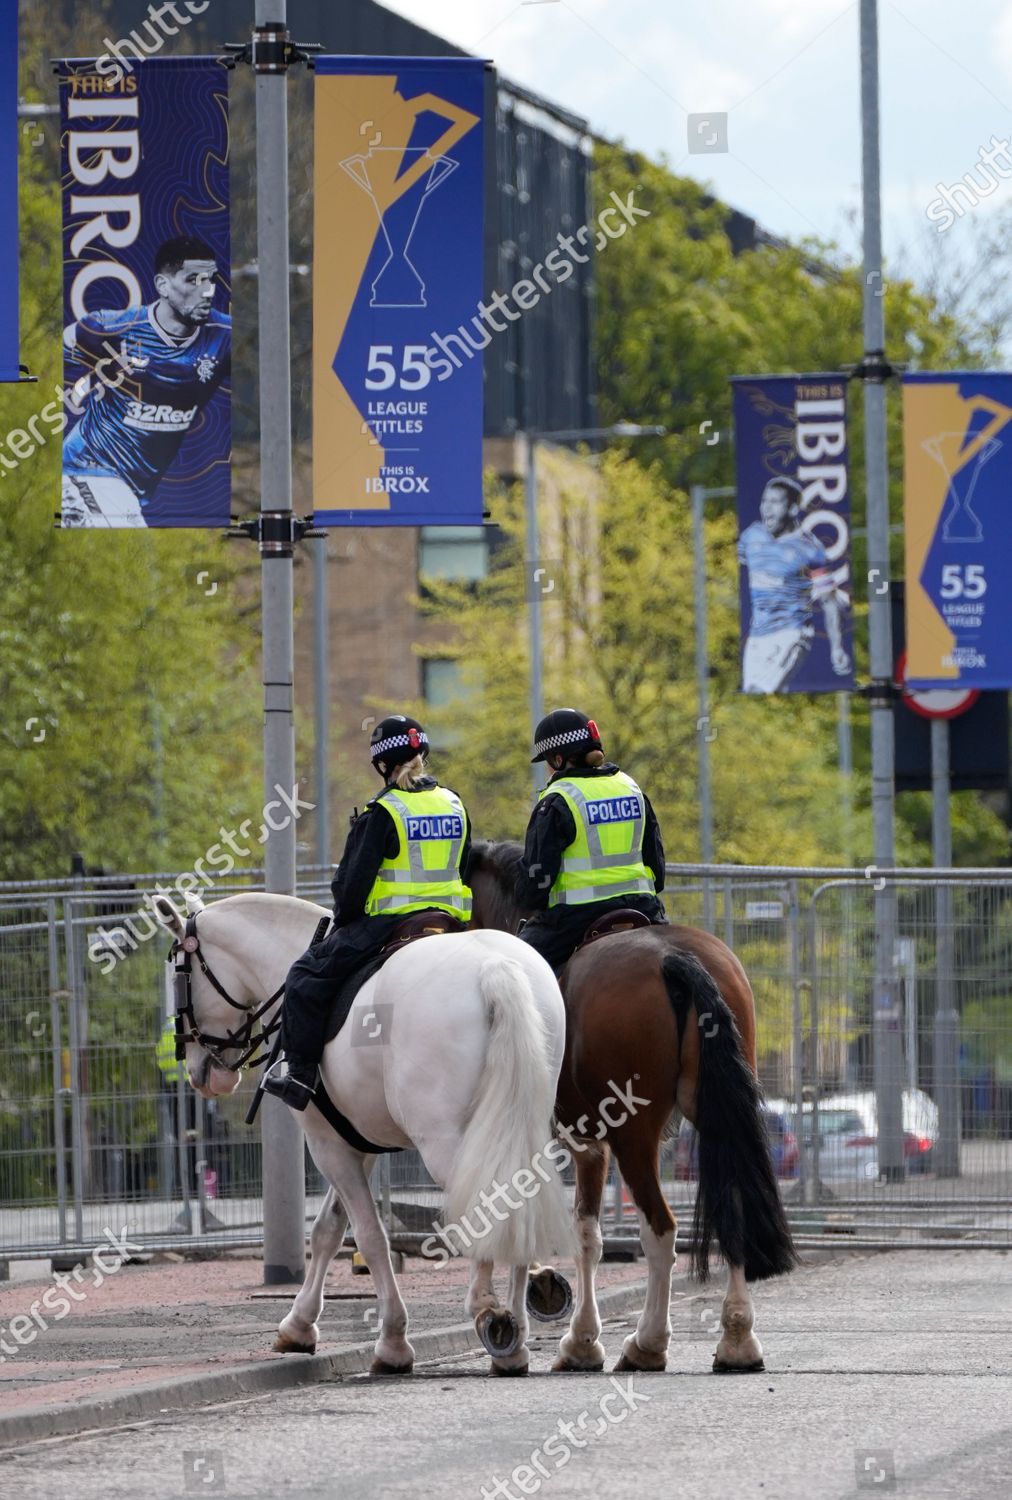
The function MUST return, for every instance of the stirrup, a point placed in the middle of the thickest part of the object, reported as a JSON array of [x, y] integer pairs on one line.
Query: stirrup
[[291, 1090]]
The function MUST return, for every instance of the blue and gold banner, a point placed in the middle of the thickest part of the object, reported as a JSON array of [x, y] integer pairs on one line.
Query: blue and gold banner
[[957, 479], [147, 293], [397, 277], [794, 533], [9, 328]]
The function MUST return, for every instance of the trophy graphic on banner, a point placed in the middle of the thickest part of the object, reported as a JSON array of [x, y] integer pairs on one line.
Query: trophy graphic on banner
[[399, 197], [960, 522]]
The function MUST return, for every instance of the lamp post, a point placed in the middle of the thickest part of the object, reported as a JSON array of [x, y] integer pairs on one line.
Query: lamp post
[[887, 1061], [565, 435], [699, 496]]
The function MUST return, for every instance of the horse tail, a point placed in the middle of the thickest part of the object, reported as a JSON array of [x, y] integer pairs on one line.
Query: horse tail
[[509, 1131], [738, 1202]]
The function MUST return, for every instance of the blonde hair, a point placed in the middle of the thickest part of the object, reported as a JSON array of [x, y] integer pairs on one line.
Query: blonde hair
[[407, 776], [591, 758]]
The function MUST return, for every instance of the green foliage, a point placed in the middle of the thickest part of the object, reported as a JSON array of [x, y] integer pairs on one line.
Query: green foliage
[[619, 641], [677, 314], [139, 674]]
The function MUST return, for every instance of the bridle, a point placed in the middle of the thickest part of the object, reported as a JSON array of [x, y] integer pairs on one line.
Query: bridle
[[245, 1039]]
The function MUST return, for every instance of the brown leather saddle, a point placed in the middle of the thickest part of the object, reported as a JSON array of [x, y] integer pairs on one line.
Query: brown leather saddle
[[422, 924], [622, 919]]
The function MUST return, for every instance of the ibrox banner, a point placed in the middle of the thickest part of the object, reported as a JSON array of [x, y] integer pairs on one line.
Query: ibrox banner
[[148, 336], [9, 333], [957, 479], [397, 384], [794, 533]]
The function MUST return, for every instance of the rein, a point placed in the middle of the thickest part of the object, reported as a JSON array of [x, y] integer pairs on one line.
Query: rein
[[245, 1039]]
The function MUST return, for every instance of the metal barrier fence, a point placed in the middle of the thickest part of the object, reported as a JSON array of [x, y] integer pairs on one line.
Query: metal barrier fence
[[95, 1133]]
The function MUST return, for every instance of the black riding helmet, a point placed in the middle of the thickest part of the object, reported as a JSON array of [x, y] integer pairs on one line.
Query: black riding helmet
[[397, 739], [566, 731]]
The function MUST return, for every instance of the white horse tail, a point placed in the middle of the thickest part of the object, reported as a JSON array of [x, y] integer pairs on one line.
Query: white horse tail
[[505, 1142]]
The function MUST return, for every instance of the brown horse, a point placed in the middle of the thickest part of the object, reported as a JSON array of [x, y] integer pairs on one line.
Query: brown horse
[[658, 1017]]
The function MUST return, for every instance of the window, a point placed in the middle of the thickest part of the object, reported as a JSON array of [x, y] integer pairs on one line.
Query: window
[[441, 685], [457, 553], [441, 681]]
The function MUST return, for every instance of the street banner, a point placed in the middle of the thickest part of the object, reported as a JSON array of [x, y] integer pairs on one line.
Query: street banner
[[957, 478], [397, 285], [147, 293], [794, 533], [9, 330], [978, 730]]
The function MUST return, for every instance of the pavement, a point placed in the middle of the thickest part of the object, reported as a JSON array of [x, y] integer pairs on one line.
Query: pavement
[[884, 1372], [179, 1332]]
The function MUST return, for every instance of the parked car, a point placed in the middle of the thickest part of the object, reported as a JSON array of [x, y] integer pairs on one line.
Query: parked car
[[845, 1147], [783, 1146], [848, 1133]]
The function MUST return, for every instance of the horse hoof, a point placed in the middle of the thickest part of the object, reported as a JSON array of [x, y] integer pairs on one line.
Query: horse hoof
[[639, 1359], [635, 1357], [381, 1367], [561, 1365], [508, 1369], [285, 1345], [721, 1368], [549, 1296], [625, 1363], [499, 1332]]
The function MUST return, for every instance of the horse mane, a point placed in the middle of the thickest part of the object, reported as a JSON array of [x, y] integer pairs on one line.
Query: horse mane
[[500, 862], [501, 859]]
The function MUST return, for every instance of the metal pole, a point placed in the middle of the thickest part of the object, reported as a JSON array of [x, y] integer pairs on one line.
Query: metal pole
[[698, 495], [74, 1007], [798, 1041], [845, 752], [321, 696], [186, 1216], [536, 687], [56, 993], [284, 1186], [946, 1035], [887, 1049]]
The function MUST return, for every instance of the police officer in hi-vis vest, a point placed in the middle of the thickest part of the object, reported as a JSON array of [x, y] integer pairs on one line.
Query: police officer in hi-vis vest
[[592, 844], [406, 852]]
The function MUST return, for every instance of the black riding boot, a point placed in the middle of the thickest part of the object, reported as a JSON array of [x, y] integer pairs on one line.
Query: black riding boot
[[298, 1085]]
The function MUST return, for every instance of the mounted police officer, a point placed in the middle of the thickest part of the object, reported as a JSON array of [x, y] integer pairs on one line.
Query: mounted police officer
[[405, 853], [592, 845]]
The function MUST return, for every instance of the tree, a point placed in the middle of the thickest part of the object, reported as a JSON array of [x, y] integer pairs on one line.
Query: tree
[[619, 641], [126, 659], [678, 313]]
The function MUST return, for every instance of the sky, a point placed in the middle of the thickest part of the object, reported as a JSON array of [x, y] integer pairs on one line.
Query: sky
[[786, 72]]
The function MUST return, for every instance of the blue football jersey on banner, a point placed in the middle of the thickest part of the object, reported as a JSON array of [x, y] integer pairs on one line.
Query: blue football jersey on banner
[[780, 585], [153, 391]]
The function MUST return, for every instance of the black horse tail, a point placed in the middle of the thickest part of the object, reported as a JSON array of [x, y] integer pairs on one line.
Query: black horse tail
[[738, 1202]]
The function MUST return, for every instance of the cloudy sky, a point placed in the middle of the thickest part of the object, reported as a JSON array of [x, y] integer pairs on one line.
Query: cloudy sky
[[786, 73]]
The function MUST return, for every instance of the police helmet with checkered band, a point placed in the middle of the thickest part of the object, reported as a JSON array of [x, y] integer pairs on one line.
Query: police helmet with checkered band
[[565, 731], [397, 739]]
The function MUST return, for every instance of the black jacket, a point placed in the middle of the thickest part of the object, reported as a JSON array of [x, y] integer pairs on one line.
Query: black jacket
[[373, 838], [551, 831]]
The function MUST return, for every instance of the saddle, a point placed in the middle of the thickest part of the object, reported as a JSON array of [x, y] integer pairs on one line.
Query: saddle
[[422, 924], [622, 919], [418, 925]]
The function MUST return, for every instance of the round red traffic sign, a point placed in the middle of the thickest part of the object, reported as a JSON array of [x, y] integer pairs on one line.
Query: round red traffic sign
[[935, 703]]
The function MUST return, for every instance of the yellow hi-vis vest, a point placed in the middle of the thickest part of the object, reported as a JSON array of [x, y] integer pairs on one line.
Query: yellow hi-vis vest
[[165, 1054], [606, 857], [425, 872]]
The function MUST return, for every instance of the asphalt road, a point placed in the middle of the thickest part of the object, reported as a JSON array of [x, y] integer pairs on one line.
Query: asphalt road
[[889, 1373]]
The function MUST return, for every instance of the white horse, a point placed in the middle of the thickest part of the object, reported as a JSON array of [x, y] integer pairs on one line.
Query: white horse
[[465, 1069]]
